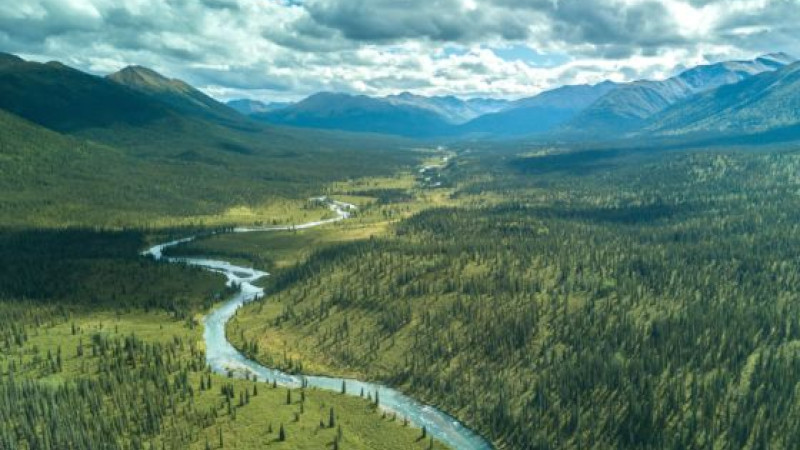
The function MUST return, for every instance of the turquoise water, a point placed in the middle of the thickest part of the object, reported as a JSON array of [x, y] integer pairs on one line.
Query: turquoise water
[[222, 357]]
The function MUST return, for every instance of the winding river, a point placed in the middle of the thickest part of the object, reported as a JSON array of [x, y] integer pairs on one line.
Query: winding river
[[224, 358]]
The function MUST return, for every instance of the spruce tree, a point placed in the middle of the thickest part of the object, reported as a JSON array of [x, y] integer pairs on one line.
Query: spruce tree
[[281, 434]]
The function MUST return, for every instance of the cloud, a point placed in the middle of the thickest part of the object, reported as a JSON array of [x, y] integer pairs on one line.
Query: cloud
[[437, 20], [614, 28], [281, 49]]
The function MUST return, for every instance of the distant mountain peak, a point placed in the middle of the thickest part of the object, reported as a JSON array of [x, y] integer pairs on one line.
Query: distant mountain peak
[[778, 57], [141, 71], [360, 113], [6, 58], [627, 108], [173, 92], [540, 113], [330, 94], [65, 99], [146, 78], [765, 103], [249, 106], [451, 108]]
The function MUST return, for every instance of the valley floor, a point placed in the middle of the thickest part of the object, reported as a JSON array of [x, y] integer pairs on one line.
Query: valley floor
[[616, 298], [115, 349]]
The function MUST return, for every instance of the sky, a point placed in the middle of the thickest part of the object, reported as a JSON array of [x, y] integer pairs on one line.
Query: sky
[[283, 50]]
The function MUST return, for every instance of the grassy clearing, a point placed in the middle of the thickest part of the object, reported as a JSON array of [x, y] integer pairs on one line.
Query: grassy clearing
[[362, 427], [381, 201]]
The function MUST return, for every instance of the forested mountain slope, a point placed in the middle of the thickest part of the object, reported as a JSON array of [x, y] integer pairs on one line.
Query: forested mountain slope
[[627, 108], [176, 93], [51, 177], [67, 100], [80, 149], [768, 102]]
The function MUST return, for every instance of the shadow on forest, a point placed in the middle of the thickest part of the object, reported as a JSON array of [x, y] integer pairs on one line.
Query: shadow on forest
[[53, 263], [624, 215], [582, 162], [576, 163], [98, 268]]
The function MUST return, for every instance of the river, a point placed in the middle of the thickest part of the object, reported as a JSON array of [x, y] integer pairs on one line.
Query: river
[[222, 357]]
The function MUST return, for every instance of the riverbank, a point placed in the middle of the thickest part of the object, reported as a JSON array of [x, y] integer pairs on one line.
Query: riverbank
[[224, 358]]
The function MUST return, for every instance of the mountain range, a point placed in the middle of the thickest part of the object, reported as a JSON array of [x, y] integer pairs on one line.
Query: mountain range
[[763, 103], [584, 112], [360, 113], [735, 97], [628, 107], [538, 114], [453, 109]]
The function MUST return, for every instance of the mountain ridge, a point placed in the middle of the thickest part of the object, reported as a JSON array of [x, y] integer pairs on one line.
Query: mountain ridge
[[627, 108], [453, 109], [708, 99], [175, 93], [540, 113], [766, 102], [359, 113], [248, 106], [65, 99]]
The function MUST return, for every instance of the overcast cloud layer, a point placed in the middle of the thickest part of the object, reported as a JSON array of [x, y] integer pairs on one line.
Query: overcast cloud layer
[[282, 49]]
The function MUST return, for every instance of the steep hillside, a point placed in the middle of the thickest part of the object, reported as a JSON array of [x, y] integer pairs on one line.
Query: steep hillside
[[767, 103], [174, 93], [150, 117], [627, 108], [68, 100], [53, 179]]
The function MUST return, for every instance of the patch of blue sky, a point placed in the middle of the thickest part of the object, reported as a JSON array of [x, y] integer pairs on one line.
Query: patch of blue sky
[[528, 55], [453, 50]]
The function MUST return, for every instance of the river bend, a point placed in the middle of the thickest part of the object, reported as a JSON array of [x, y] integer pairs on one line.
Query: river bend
[[223, 358]]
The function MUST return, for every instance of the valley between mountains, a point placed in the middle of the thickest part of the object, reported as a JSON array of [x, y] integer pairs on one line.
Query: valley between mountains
[[608, 266]]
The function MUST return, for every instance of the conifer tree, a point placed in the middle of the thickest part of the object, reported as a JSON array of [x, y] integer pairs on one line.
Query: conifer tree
[[281, 434]]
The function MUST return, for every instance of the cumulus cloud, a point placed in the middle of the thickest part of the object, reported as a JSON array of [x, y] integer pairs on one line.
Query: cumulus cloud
[[284, 49], [437, 20]]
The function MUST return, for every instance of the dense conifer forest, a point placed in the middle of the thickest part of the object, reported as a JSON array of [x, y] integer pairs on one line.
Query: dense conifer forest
[[609, 299], [414, 225], [102, 348]]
